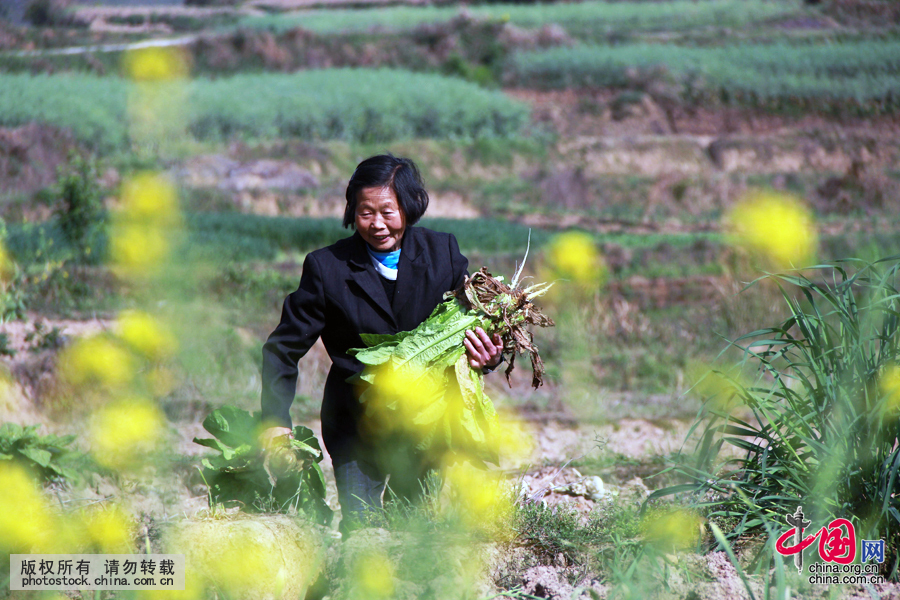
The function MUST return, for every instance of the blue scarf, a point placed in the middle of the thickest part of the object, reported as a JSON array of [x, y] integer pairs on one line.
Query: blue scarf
[[385, 262]]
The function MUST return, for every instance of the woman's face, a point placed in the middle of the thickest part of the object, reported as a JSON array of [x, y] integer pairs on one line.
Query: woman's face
[[379, 218]]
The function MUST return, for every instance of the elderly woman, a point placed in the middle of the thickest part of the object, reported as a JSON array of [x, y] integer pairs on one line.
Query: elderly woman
[[385, 278]]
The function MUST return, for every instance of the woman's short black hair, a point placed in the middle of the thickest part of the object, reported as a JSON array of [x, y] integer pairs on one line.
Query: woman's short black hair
[[401, 174]]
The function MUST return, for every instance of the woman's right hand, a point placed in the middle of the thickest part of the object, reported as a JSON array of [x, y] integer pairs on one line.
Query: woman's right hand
[[270, 437]]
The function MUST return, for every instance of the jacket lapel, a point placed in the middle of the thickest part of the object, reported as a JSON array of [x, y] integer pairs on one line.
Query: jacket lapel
[[363, 274], [410, 272]]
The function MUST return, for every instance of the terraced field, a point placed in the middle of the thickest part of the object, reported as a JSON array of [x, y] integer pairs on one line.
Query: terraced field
[[628, 131]]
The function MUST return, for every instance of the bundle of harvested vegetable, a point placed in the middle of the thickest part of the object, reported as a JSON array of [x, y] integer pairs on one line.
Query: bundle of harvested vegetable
[[420, 382]]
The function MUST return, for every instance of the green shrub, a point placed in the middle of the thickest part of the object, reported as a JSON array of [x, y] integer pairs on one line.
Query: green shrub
[[80, 212], [822, 428]]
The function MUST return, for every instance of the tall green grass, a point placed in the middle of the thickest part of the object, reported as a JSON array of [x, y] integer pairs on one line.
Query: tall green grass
[[823, 414], [345, 104], [586, 18], [862, 71]]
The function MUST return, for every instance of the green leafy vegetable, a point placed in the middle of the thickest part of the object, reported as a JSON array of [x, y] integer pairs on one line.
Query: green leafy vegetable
[[419, 383], [284, 478], [48, 455]]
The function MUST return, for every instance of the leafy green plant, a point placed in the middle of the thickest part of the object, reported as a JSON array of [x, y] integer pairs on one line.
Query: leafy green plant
[[12, 294], [824, 412], [279, 480], [40, 338], [80, 211], [48, 455], [5, 348], [421, 383]]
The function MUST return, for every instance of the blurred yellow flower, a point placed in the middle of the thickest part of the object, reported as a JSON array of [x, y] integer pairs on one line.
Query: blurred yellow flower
[[479, 498], [673, 530], [249, 557], [242, 565], [124, 433], [722, 390], [776, 227], [374, 576], [97, 359], [890, 387], [155, 64], [574, 256], [144, 225], [25, 522], [515, 443], [146, 335], [108, 530], [6, 264], [149, 198], [138, 249], [399, 397]]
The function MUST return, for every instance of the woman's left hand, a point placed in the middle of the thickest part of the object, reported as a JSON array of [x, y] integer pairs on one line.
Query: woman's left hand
[[483, 351]]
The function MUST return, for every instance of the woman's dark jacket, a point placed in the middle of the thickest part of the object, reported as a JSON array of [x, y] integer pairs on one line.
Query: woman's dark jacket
[[340, 296]]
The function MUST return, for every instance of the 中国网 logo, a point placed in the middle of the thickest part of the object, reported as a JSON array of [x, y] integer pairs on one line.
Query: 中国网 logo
[[836, 544]]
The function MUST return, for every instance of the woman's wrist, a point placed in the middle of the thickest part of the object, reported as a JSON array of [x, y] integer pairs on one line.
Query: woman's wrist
[[491, 368]]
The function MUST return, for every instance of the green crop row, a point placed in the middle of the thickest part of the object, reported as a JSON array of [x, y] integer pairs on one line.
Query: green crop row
[[240, 237], [348, 104], [580, 18], [863, 71]]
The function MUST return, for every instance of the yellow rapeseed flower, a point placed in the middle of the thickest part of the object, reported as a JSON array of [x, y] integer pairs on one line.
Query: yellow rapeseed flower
[[513, 439], [146, 335], [673, 530], [890, 387], [478, 497], [149, 198], [124, 433], [97, 358], [108, 530], [25, 522], [399, 396], [721, 389], [155, 64], [6, 264], [144, 225], [138, 249], [374, 576], [775, 227], [242, 565], [574, 256]]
